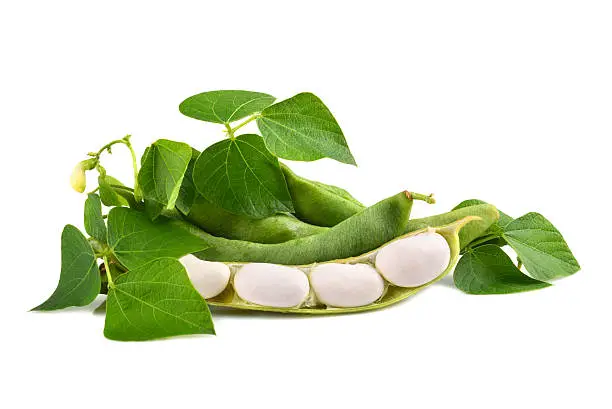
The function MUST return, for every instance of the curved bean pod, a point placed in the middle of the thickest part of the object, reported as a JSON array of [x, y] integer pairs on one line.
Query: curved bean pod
[[343, 244], [358, 234]]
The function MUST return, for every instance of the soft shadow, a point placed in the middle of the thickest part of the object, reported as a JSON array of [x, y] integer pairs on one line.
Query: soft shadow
[[227, 312]]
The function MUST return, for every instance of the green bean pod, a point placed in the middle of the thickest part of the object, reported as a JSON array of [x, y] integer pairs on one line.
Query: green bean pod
[[274, 229], [363, 232], [358, 234], [318, 203], [355, 284]]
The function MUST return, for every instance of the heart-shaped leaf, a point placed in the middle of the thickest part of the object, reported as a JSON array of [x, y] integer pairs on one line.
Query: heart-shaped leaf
[[156, 300], [488, 270], [241, 176], [136, 240], [163, 167], [302, 128], [79, 282], [540, 247], [224, 106], [94, 222]]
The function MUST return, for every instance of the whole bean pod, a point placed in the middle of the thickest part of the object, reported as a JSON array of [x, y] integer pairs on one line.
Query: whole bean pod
[[358, 234], [317, 203], [369, 281]]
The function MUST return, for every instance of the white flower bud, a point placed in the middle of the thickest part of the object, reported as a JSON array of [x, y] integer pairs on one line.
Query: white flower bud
[[78, 180]]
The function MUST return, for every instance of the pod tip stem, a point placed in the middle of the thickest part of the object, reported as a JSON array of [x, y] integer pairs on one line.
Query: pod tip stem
[[418, 196]]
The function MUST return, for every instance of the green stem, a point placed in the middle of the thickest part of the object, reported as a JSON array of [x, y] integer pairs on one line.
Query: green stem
[[125, 141], [418, 196], [229, 130], [106, 147], [240, 125], [108, 272], [137, 190]]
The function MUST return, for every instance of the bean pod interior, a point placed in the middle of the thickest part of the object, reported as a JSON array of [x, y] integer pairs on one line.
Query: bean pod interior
[[373, 280]]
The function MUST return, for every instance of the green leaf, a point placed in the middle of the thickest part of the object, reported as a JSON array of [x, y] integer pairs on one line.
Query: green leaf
[[79, 282], [188, 192], [224, 106], [94, 222], [241, 176], [109, 196], [163, 168], [541, 248], [302, 128], [156, 300], [489, 270], [136, 240]]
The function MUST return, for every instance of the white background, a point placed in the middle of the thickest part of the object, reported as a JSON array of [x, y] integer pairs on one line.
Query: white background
[[509, 102]]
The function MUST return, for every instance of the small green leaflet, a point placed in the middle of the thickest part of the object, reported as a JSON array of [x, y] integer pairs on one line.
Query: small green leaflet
[[241, 176], [224, 106], [109, 196], [79, 282], [302, 128], [94, 222], [541, 248], [154, 301], [488, 270], [163, 168], [188, 193], [136, 240]]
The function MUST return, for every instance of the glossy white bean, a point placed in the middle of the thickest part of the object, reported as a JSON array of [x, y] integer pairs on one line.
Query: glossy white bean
[[414, 261], [271, 285], [346, 285], [208, 277]]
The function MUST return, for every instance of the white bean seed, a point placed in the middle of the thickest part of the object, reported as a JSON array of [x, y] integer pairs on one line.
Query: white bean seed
[[271, 285], [346, 285], [208, 277], [414, 261]]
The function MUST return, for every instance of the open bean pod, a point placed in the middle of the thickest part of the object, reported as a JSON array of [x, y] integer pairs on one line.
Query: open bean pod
[[373, 280]]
